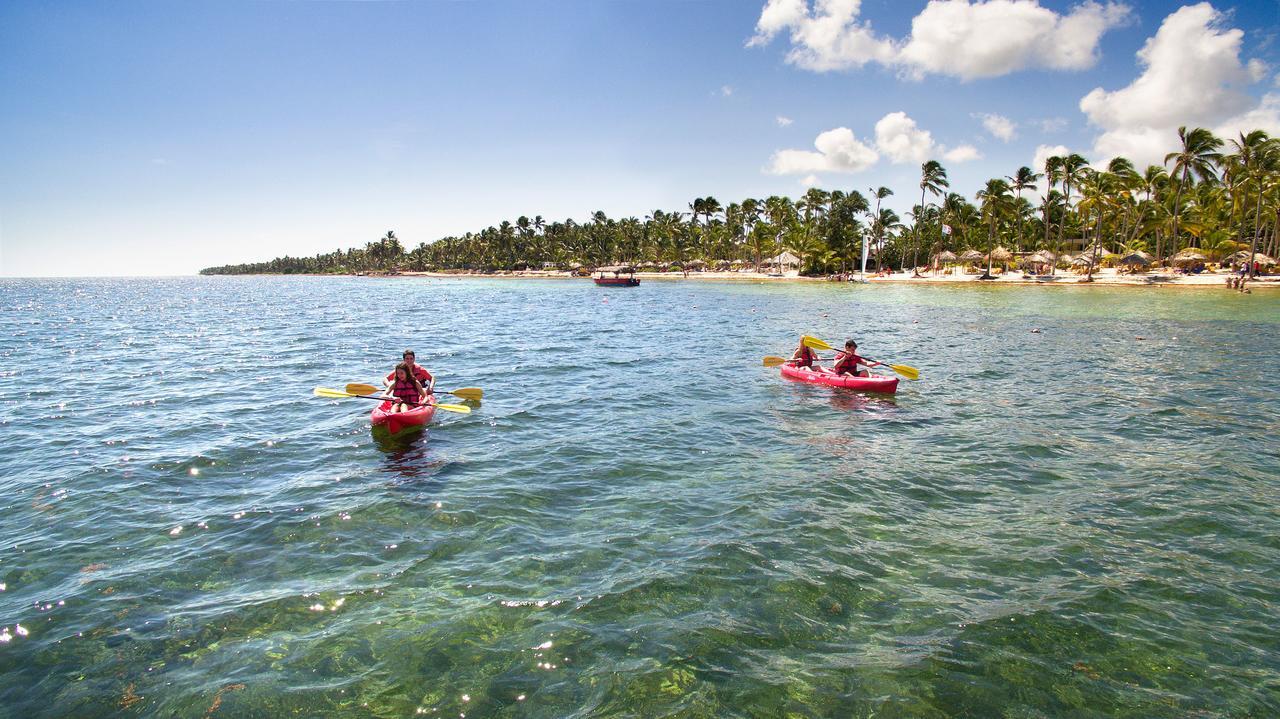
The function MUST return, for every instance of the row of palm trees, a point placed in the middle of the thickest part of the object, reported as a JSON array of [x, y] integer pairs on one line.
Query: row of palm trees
[[1201, 197]]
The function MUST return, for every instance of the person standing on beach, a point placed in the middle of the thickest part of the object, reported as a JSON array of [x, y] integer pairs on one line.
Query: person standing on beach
[[419, 373], [847, 361]]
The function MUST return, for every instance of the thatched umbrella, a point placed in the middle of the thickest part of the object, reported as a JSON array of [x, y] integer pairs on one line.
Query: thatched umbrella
[[1083, 261], [575, 265], [972, 256], [1001, 255], [1242, 257], [1187, 256], [695, 264], [1039, 258], [723, 265], [1136, 259], [944, 257]]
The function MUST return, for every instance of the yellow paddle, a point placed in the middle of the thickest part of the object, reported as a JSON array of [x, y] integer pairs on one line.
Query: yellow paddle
[[338, 394], [775, 361], [906, 371], [474, 393]]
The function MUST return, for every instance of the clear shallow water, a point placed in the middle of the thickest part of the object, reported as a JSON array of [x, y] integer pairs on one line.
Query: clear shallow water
[[639, 520]]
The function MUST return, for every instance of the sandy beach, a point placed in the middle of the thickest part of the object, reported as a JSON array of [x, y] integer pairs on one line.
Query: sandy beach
[[1106, 276]]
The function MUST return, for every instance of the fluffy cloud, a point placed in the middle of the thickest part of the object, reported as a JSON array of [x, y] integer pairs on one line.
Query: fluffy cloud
[[963, 38], [1193, 76], [898, 137], [961, 153], [1044, 152], [783, 121], [838, 151], [1000, 127], [810, 181], [828, 38]]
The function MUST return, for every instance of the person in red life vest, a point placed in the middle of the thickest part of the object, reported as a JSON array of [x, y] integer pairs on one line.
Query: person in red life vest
[[804, 356], [418, 371], [847, 361], [405, 389]]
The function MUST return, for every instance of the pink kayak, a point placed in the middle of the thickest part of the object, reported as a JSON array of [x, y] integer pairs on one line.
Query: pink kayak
[[396, 421], [888, 385]]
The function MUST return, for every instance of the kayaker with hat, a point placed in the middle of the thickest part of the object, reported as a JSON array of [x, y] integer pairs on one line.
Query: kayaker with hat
[[847, 361], [418, 371], [804, 356]]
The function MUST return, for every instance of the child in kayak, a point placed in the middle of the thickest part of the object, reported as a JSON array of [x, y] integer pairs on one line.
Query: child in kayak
[[804, 356], [405, 390], [418, 371], [847, 361]]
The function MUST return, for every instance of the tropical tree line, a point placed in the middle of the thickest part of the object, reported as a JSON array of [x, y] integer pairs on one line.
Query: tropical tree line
[[1216, 196]]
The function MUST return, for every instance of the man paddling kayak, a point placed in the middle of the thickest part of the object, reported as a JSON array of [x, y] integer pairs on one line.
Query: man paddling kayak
[[419, 372], [847, 361]]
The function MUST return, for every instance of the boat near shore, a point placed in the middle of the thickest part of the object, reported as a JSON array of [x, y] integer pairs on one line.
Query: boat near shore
[[616, 276]]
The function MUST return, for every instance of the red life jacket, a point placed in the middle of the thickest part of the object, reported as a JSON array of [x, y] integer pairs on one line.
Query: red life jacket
[[807, 356], [405, 391], [848, 362], [418, 371]]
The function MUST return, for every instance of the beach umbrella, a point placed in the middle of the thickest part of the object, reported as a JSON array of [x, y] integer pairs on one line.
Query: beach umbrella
[[1083, 261], [1136, 259], [972, 256], [695, 263], [945, 256], [575, 265], [1188, 256], [1000, 254], [1243, 256]]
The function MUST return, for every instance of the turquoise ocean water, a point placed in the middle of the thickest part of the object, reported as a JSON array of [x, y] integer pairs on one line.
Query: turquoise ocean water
[[639, 520]]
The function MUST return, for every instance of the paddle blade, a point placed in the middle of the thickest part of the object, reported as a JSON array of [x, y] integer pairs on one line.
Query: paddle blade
[[355, 388], [326, 392], [910, 373], [459, 408], [774, 361], [815, 343], [474, 393]]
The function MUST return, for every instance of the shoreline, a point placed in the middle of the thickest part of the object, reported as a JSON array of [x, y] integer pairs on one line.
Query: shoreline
[[1106, 277]]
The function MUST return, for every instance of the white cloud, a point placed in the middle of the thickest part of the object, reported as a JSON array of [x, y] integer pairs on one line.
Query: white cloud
[[1000, 127], [897, 136], [963, 38], [962, 153], [1044, 152], [1051, 125], [902, 140], [810, 181], [725, 91], [838, 151], [829, 38], [783, 121], [1193, 76]]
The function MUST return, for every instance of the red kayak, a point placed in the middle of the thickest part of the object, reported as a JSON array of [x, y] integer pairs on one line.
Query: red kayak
[[396, 421], [888, 385]]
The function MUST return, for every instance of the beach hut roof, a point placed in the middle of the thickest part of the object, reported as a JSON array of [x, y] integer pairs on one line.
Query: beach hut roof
[[1188, 256], [616, 268], [1000, 254], [695, 263], [1037, 258], [1083, 260], [946, 256], [1243, 256], [783, 258], [575, 265], [1136, 258], [971, 256]]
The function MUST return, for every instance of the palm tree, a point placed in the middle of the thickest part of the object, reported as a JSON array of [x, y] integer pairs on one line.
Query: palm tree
[[933, 179], [1198, 156], [1256, 156], [1024, 179], [995, 199], [877, 230]]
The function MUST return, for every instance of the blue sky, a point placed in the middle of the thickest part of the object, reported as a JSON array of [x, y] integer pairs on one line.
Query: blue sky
[[158, 138]]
